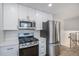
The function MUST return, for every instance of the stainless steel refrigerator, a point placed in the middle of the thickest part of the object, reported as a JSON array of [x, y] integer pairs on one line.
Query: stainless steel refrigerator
[[52, 29]]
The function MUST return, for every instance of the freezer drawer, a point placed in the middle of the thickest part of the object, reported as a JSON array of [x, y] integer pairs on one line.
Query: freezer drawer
[[54, 50]]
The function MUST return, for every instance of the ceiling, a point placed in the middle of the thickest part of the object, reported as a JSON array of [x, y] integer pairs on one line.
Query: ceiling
[[59, 10]]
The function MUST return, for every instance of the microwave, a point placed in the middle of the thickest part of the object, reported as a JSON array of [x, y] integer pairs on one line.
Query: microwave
[[26, 25]]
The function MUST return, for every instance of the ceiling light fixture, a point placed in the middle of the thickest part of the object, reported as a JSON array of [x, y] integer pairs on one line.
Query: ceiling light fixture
[[50, 5]]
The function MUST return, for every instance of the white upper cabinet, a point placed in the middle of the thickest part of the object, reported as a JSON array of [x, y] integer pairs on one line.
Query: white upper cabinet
[[22, 12], [31, 14], [26, 13], [50, 16], [46, 16], [38, 20], [10, 16], [1, 15]]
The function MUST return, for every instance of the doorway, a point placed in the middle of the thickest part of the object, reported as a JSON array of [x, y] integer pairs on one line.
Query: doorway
[[72, 46]]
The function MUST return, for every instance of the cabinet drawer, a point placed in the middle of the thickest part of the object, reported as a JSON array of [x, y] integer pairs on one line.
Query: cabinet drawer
[[42, 46], [42, 53], [9, 49], [42, 41], [42, 50]]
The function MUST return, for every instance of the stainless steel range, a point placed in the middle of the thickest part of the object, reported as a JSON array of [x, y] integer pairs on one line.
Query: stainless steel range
[[27, 40], [28, 45]]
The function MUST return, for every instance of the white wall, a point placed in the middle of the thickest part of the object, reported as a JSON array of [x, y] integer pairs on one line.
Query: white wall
[[10, 35], [71, 24], [1, 22], [13, 35], [68, 25], [1, 34]]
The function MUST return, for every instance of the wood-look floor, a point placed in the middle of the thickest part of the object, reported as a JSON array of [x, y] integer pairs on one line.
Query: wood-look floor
[[65, 51]]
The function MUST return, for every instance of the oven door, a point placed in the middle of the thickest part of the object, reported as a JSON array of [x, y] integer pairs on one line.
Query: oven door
[[30, 51]]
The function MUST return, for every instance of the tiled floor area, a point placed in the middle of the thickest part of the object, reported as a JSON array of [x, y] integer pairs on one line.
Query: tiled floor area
[[65, 51]]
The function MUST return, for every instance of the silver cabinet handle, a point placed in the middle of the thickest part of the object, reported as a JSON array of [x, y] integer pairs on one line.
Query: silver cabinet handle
[[9, 48]]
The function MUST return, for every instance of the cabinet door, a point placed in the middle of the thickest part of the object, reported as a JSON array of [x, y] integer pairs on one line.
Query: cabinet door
[[22, 12], [10, 16], [38, 25], [12, 50], [49, 16], [1, 14], [46, 17], [42, 47], [38, 20], [31, 13]]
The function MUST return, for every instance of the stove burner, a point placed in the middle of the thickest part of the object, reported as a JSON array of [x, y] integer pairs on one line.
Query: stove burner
[[26, 40]]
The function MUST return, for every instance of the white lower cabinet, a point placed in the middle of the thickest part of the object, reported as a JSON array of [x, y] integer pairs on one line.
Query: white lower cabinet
[[42, 47], [11, 50]]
